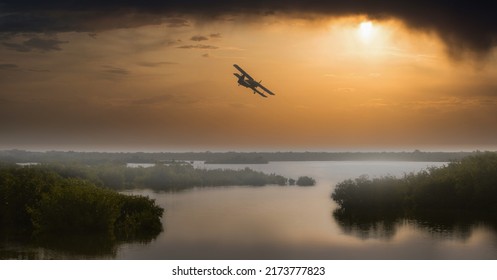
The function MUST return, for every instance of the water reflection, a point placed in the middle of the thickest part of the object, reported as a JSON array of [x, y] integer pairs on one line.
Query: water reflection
[[367, 224], [89, 246], [439, 225]]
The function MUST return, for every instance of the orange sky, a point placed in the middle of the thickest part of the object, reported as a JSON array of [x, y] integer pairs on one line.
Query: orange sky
[[339, 85]]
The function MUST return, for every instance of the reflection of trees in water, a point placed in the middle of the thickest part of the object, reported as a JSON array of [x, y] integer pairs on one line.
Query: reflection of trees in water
[[447, 225], [367, 224], [92, 246], [67, 246]]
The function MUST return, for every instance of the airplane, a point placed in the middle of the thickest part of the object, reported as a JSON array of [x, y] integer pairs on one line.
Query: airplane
[[247, 81]]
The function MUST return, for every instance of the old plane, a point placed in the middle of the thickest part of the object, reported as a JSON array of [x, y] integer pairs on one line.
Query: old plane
[[244, 79]]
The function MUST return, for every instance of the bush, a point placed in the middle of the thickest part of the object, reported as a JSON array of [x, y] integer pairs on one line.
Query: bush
[[20, 189], [468, 185], [77, 207], [139, 217], [39, 200], [305, 181]]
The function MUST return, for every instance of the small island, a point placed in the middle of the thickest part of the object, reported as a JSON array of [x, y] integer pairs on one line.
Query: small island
[[305, 181]]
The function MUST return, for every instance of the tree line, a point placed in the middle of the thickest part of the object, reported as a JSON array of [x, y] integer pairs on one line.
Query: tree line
[[16, 156], [468, 185], [166, 177]]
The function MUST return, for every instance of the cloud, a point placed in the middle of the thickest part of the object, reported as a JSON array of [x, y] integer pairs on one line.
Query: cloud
[[16, 47], [36, 43], [199, 38], [155, 64], [8, 66], [215, 35], [165, 99], [177, 22], [462, 25], [345, 90], [198, 46], [115, 70], [44, 44]]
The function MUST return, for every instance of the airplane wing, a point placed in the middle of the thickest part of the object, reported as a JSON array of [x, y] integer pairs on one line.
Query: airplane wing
[[265, 89], [243, 72], [260, 93]]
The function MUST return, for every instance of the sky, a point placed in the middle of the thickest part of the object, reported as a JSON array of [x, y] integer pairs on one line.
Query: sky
[[158, 75]]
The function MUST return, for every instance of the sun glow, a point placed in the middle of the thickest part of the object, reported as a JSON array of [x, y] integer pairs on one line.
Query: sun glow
[[366, 31]]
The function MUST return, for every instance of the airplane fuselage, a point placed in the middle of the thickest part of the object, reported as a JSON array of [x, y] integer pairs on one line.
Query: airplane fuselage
[[246, 82]]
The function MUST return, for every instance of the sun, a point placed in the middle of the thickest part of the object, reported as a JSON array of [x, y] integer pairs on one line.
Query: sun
[[366, 31]]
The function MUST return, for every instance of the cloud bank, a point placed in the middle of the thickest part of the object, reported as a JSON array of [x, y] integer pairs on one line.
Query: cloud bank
[[462, 25]]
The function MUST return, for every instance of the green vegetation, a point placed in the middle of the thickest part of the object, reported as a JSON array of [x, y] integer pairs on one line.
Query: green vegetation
[[305, 181], [448, 200], [469, 185], [165, 177], [74, 208], [38, 201], [238, 159]]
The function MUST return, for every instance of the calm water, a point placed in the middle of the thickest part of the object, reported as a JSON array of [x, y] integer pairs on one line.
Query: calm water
[[276, 222], [290, 222]]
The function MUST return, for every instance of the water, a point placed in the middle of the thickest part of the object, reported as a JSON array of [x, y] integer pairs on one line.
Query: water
[[289, 222]]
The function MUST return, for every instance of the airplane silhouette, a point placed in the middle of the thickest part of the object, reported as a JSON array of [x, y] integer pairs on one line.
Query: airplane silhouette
[[247, 81]]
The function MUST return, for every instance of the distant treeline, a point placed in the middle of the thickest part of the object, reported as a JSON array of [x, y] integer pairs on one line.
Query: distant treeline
[[39, 202], [468, 185], [168, 177], [238, 159], [19, 156]]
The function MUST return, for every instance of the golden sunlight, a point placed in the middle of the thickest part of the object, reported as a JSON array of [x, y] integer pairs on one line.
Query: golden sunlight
[[366, 31]]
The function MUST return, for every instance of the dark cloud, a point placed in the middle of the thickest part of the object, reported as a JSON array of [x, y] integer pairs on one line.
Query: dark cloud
[[8, 66], [215, 35], [44, 44], [176, 22], [470, 25], [199, 38], [36, 43], [16, 47], [198, 46]]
